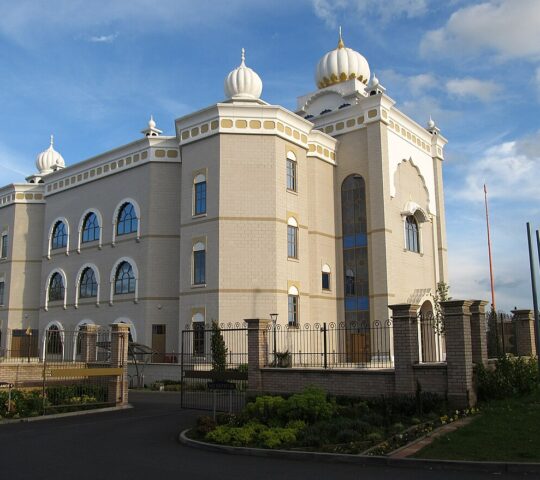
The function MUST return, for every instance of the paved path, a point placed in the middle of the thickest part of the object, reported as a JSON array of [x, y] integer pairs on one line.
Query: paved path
[[140, 443]]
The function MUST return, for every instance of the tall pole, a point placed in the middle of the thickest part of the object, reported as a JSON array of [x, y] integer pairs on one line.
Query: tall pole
[[493, 307], [534, 293]]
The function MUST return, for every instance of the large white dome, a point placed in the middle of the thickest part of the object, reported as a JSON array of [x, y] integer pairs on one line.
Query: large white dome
[[49, 160], [243, 82], [340, 65]]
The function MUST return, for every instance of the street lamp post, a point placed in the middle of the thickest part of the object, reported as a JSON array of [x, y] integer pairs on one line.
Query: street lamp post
[[28, 334], [274, 316]]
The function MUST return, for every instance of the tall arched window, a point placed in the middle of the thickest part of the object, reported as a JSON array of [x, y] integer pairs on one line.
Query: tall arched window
[[412, 240], [355, 249], [53, 340], [91, 228], [291, 171], [199, 264], [199, 195], [127, 221], [292, 306], [124, 280], [56, 287], [88, 286], [292, 238], [59, 236]]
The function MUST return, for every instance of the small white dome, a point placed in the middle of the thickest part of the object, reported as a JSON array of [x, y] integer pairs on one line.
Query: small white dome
[[340, 65], [431, 123], [243, 82], [49, 160]]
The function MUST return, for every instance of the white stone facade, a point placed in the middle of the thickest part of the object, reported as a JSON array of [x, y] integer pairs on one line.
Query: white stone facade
[[270, 175]]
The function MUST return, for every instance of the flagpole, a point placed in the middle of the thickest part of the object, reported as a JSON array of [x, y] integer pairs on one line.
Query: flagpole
[[493, 307]]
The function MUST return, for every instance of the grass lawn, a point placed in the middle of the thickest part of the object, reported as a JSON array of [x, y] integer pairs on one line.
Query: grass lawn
[[507, 430]]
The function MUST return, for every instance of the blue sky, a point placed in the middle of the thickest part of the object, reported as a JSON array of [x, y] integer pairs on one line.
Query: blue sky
[[93, 72]]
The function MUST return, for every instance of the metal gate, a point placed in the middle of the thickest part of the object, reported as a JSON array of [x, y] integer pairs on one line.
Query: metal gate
[[77, 368], [214, 367]]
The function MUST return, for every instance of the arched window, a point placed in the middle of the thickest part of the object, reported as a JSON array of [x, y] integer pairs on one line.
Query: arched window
[[199, 195], [355, 249], [199, 264], [88, 286], [59, 236], [56, 287], [199, 334], [124, 280], [127, 221], [91, 228], [325, 277], [291, 171], [292, 306], [292, 238], [412, 240], [53, 340]]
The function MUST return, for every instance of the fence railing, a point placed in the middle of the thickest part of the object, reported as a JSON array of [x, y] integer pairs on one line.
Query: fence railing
[[431, 338], [501, 334], [331, 345]]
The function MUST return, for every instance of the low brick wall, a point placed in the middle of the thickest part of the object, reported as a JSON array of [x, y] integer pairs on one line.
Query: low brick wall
[[21, 373], [155, 372], [358, 383]]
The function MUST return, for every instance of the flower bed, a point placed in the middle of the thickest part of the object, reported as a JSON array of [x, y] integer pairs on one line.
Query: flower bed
[[311, 421]]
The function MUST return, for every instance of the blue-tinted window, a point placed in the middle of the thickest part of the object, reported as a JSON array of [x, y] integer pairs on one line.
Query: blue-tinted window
[[411, 234], [292, 241], [293, 310], [200, 198], [325, 281], [59, 236], [56, 288], [125, 279], [88, 286], [127, 221], [199, 267], [5, 245], [90, 231]]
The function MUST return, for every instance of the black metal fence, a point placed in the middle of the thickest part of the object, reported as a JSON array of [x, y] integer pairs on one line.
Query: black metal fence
[[501, 334], [331, 345], [431, 338], [214, 367]]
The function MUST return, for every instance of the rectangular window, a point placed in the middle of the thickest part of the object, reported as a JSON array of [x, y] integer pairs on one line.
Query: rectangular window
[[325, 281], [292, 241], [5, 245], [199, 267], [198, 338], [293, 310], [200, 198], [2, 293], [291, 175]]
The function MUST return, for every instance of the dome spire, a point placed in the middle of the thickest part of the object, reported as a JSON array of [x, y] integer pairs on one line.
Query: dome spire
[[52, 140], [340, 44], [243, 56]]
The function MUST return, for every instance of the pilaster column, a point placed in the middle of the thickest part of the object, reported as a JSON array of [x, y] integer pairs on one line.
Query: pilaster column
[[257, 351], [88, 335], [118, 385], [457, 325], [479, 332], [525, 338], [406, 350]]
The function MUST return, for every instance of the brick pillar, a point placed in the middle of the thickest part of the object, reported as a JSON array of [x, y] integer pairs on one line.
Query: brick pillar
[[457, 325], [525, 338], [406, 346], [257, 351], [118, 386], [88, 335], [479, 332]]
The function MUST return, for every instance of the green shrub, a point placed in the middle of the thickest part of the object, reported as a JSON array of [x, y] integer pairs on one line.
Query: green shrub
[[511, 377], [265, 408], [311, 406], [277, 437]]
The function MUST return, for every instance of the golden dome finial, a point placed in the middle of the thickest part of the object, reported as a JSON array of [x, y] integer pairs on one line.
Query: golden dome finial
[[340, 43]]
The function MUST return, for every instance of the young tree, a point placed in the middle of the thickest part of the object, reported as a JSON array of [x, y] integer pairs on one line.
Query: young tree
[[441, 295], [219, 350]]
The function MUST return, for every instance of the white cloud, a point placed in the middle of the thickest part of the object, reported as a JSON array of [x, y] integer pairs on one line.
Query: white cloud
[[10, 161], [471, 87], [330, 10], [104, 38], [508, 28]]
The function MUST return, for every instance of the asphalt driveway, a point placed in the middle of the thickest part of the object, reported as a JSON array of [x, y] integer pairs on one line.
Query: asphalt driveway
[[141, 443]]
